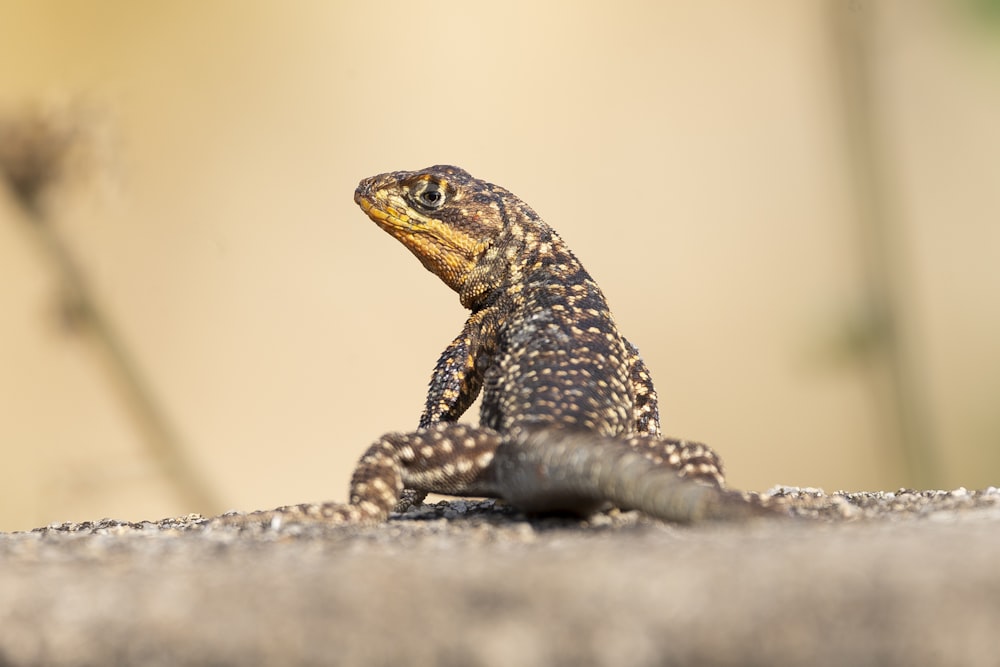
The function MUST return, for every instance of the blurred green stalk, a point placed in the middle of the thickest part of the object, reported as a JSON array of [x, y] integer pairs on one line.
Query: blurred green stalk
[[906, 414]]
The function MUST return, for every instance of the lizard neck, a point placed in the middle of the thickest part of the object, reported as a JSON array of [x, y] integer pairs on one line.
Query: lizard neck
[[526, 246], [488, 279]]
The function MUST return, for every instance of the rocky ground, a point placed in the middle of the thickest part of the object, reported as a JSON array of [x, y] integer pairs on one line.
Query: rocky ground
[[905, 578]]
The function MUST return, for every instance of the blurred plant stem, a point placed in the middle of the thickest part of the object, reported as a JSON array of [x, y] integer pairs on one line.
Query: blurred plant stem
[[35, 149], [890, 346]]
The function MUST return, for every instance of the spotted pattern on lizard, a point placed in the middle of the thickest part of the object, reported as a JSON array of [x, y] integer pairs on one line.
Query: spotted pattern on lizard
[[569, 418]]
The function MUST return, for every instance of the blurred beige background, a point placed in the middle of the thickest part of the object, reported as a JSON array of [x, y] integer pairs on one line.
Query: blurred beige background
[[719, 167]]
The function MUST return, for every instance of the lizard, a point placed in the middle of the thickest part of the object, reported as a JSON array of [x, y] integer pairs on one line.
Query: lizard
[[569, 419]]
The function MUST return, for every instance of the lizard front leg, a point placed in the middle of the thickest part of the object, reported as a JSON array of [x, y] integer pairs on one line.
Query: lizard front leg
[[454, 386], [455, 382]]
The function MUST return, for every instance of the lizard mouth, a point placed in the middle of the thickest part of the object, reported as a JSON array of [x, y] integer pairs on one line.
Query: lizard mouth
[[386, 216]]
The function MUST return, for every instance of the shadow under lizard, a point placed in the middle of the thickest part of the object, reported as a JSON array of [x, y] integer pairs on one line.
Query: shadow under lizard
[[569, 419]]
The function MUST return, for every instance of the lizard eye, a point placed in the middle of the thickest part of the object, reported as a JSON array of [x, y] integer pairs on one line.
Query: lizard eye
[[429, 195]]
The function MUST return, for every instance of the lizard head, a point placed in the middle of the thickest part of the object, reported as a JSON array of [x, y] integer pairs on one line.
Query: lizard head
[[447, 218]]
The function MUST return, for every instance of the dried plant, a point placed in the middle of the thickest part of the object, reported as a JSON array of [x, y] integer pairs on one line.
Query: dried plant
[[43, 149], [35, 147]]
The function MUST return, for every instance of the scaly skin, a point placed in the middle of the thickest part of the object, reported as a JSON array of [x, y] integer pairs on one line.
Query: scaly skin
[[569, 418]]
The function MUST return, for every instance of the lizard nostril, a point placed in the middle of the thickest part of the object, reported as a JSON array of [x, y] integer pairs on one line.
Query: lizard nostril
[[363, 190]]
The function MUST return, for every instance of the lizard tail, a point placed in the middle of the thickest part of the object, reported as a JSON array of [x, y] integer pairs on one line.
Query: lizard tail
[[578, 471]]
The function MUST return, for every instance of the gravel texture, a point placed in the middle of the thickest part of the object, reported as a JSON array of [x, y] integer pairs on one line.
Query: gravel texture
[[904, 578]]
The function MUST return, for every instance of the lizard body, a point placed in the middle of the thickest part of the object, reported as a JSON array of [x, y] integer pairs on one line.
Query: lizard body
[[569, 418]]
